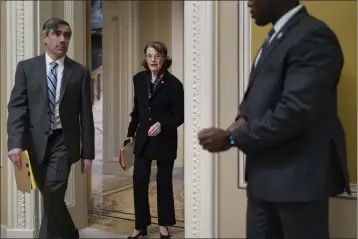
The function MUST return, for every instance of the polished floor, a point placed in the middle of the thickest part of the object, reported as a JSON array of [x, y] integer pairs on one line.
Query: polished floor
[[113, 209], [89, 232]]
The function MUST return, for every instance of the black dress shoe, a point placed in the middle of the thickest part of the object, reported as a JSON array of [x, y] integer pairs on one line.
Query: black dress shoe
[[164, 236], [142, 232]]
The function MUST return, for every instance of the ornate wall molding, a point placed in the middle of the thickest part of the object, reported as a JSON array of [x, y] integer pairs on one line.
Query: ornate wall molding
[[16, 199], [196, 117], [22, 213], [199, 81]]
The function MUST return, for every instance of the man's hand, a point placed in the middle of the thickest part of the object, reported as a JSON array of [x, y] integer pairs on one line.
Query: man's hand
[[155, 129], [214, 139], [86, 165], [15, 156], [237, 124], [129, 139]]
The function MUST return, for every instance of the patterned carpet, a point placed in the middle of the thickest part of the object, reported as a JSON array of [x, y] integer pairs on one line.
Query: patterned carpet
[[114, 211]]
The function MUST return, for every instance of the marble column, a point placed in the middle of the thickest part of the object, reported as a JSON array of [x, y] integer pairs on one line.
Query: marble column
[[120, 63], [177, 68], [200, 66], [21, 38]]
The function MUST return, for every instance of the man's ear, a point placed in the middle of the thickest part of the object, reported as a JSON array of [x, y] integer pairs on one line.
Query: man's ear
[[44, 36]]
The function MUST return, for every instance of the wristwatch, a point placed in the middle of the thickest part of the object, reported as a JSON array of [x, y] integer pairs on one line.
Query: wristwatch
[[231, 140]]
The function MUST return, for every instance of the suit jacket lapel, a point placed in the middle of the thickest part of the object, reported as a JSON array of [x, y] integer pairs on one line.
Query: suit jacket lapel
[[274, 43], [66, 77], [255, 69], [143, 87], [41, 75], [159, 86]]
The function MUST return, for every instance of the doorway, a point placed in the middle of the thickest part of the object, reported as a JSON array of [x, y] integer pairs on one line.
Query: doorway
[[97, 88], [119, 31]]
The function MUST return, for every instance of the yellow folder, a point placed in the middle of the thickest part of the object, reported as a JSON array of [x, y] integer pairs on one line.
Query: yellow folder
[[24, 176], [126, 156]]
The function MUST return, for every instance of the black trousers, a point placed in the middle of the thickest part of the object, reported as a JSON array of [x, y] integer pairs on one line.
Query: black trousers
[[165, 199], [296, 220], [52, 178]]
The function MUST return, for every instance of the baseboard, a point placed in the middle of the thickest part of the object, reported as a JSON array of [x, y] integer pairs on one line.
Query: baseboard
[[3, 232], [17, 233]]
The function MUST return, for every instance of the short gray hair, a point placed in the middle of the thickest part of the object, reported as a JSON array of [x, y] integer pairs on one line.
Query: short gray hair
[[54, 24]]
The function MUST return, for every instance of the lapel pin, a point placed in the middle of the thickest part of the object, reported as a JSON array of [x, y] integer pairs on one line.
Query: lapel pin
[[279, 35], [162, 82]]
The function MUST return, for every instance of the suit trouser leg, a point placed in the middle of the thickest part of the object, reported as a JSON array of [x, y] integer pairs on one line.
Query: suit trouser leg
[[262, 220], [309, 220], [296, 220], [141, 174], [165, 198], [56, 221]]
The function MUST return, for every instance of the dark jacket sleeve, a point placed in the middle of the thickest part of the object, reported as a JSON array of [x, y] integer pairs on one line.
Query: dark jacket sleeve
[[133, 124], [176, 116], [86, 117], [242, 113], [312, 74], [18, 110]]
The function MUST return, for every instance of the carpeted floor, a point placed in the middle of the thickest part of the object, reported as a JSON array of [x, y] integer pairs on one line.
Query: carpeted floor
[[114, 211]]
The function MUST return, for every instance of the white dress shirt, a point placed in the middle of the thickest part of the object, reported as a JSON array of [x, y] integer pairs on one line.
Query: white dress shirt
[[59, 71], [279, 25]]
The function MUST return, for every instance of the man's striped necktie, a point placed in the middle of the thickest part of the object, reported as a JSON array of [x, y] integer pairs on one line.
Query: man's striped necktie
[[51, 86]]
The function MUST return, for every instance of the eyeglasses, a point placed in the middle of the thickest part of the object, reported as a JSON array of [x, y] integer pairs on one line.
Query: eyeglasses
[[156, 57]]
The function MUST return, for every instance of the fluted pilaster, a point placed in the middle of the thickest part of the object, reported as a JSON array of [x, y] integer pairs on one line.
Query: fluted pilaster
[[200, 108]]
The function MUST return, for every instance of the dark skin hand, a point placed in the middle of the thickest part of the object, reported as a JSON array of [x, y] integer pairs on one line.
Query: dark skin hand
[[214, 139]]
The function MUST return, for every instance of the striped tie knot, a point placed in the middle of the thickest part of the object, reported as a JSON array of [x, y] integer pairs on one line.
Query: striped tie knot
[[54, 64]]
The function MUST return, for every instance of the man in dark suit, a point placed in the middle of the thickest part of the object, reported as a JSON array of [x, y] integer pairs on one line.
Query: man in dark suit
[[50, 115], [288, 125]]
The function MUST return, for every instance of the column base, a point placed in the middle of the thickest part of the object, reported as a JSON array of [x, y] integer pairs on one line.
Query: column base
[[17, 233], [3, 232]]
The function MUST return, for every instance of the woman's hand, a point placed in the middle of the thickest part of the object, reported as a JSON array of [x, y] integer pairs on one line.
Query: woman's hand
[[155, 129]]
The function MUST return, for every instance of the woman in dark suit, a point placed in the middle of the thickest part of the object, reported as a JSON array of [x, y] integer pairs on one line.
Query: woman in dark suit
[[157, 113]]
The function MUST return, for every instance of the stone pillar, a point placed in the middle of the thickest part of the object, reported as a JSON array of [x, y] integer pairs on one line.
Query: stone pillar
[[21, 38], [74, 12], [199, 86], [119, 65], [177, 54]]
